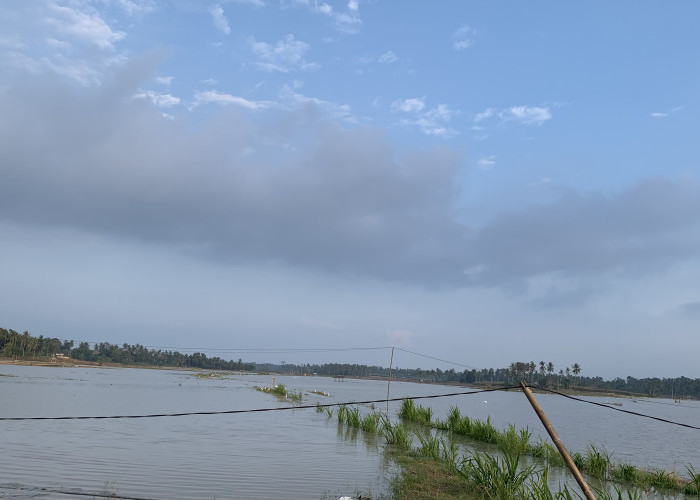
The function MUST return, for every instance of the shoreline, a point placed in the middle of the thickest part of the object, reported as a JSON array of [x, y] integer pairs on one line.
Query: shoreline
[[74, 363]]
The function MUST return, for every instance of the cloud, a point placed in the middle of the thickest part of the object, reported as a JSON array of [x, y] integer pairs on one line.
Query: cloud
[[643, 229], [486, 162], [433, 121], [346, 22], [463, 38], [411, 105], [690, 309], [666, 113], [345, 202], [164, 80], [223, 99], [388, 57], [525, 115], [285, 55], [330, 110], [135, 7], [69, 39], [160, 100], [84, 25], [220, 20]]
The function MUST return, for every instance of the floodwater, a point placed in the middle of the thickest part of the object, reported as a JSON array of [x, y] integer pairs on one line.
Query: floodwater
[[295, 454]]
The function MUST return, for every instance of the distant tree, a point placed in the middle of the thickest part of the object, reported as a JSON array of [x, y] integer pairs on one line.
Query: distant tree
[[576, 368]]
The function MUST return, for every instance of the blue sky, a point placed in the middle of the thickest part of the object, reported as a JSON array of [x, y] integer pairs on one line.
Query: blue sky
[[483, 182]]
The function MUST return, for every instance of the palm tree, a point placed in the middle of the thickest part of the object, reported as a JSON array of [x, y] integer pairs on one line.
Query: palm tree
[[550, 370], [576, 368]]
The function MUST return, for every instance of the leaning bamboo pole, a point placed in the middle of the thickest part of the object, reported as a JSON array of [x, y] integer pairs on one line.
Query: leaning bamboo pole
[[557, 442]]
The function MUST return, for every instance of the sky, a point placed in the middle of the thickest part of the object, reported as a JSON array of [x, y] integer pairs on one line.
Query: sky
[[478, 181]]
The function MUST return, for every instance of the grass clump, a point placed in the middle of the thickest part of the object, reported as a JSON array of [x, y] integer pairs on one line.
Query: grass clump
[[693, 486], [395, 434], [597, 462], [501, 478], [281, 392], [210, 375], [547, 452], [370, 422], [415, 413]]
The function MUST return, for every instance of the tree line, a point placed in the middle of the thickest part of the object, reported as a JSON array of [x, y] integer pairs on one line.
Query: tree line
[[25, 346]]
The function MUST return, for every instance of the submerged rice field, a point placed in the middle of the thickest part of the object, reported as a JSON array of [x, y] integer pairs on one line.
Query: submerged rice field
[[299, 453]]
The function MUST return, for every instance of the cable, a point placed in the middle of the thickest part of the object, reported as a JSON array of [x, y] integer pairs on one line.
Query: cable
[[618, 409], [259, 410], [70, 492], [435, 359], [272, 350]]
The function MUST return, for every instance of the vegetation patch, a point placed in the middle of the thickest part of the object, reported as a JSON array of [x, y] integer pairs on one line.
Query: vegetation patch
[[210, 375], [281, 392], [503, 476], [321, 393]]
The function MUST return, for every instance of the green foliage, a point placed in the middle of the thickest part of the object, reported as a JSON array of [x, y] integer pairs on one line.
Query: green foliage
[[513, 441], [281, 392], [547, 452], [693, 486], [395, 434], [597, 462], [352, 417], [497, 478], [625, 473], [370, 422], [415, 413], [429, 446]]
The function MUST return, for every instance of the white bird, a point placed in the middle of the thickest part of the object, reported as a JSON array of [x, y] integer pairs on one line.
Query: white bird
[[484, 402]]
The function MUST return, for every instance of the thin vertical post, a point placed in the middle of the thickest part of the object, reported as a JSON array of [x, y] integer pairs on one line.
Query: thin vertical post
[[557, 442], [388, 384]]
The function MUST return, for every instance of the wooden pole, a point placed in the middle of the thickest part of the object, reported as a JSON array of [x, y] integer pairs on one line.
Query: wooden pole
[[557, 442], [388, 384]]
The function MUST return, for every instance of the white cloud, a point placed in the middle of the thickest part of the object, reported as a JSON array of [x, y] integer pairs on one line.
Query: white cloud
[[254, 3], [388, 57], [83, 25], [486, 162], [136, 8], [220, 20], [412, 105], [337, 111], [215, 97], [664, 114], [463, 38], [209, 81], [164, 80], [431, 122], [284, 56], [528, 115], [345, 22], [525, 115], [160, 100]]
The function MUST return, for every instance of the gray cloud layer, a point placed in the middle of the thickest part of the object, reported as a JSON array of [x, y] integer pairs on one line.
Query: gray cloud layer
[[101, 161]]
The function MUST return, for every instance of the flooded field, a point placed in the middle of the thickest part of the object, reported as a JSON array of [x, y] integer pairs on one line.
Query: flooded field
[[296, 454]]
